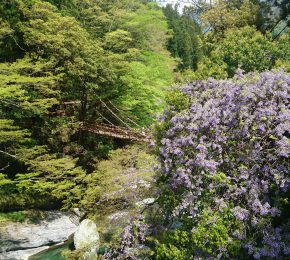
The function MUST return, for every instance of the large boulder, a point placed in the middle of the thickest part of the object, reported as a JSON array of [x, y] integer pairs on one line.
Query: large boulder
[[56, 227], [87, 237], [19, 240]]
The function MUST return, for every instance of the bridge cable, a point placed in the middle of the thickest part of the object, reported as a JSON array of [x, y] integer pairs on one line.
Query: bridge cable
[[107, 120], [115, 115], [132, 121]]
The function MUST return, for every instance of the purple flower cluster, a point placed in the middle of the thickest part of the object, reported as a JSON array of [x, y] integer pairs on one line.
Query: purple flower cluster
[[231, 147], [133, 235]]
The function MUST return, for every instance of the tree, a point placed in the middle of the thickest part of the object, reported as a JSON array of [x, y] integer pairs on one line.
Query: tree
[[185, 41], [246, 48], [226, 15], [63, 63]]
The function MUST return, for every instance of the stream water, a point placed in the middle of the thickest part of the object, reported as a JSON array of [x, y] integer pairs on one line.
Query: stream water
[[31, 240], [54, 252]]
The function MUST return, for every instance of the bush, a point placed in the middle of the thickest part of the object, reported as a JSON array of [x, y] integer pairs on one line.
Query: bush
[[224, 168]]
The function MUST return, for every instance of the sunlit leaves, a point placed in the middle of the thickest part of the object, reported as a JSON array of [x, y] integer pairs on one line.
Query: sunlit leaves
[[224, 16]]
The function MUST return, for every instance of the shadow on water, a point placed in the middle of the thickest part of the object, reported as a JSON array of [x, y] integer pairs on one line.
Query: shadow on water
[[54, 252]]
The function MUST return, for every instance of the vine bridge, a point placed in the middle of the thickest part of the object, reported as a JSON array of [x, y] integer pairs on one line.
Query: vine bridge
[[110, 129], [116, 132]]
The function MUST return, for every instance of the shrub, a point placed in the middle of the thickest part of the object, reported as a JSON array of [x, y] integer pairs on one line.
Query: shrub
[[226, 155]]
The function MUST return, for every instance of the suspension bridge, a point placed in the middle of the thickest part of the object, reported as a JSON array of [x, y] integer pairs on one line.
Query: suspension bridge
[[109, 129], [120, 130], [116, 132]]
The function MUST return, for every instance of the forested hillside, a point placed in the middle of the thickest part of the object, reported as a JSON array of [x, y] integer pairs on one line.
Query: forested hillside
[[61, 63], [208, 88]]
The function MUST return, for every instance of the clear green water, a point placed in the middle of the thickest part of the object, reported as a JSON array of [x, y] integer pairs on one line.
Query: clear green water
[[49, 254], [53, 253]]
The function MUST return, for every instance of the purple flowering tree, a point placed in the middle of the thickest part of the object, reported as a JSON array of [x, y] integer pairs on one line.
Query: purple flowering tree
[[133, 236], [229, 152]]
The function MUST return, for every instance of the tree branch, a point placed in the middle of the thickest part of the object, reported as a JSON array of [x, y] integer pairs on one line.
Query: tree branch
[[9, 155], [2, 169]]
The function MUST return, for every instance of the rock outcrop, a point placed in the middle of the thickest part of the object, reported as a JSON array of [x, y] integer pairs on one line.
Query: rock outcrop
[[87, 237], [56, 227]]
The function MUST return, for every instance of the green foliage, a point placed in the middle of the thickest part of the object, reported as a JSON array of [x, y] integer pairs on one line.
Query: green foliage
[[247, 48], [175, 98], [213, 67], [118, 41], [5, 30], [226, 15], [148, 27], [17, 216], [29, 84], [52, 176], [57, 179], [57, 60], [149, 71], [115, 187], [185, 40], [212, 232], [236, 37], [11, 134], [150, 77], [244, 47], [110, 186]]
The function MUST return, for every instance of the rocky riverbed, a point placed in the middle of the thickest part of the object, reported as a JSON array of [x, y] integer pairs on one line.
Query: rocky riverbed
[[123, 186], [19, 240]]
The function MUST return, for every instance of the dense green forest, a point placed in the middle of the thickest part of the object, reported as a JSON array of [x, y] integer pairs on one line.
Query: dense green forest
[[121, 63], [60, 63]]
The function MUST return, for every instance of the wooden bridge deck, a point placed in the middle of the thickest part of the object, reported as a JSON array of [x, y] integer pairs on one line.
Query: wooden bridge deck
[[116, 132]]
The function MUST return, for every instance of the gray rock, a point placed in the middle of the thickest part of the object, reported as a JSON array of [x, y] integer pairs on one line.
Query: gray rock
[[145, 202], [22, 254], [78, 212], [87, 236], [55, 228]]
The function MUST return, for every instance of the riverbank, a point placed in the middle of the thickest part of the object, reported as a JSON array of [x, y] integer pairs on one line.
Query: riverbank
[[19, 240]]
